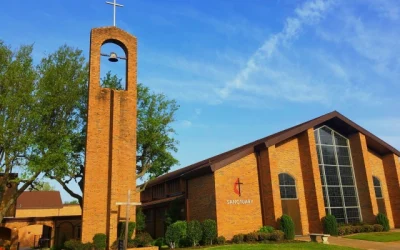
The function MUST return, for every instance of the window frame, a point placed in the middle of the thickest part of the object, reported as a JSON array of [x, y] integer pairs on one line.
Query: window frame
[[324, 183], [281, 185]]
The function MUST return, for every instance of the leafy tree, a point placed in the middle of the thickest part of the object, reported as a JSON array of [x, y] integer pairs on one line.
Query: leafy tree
[[44, 186], [73, 202], [39, 116], [140, 220]]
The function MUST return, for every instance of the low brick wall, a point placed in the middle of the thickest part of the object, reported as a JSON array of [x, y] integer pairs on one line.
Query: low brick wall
[[143, 248]]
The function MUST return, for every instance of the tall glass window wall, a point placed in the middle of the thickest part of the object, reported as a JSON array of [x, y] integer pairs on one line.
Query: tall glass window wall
[[337, 175]]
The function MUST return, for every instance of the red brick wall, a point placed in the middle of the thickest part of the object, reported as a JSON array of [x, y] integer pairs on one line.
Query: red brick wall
[[201, 198], [238, 218], [312, 181], [363, 174], [392, 174], [376, 164]]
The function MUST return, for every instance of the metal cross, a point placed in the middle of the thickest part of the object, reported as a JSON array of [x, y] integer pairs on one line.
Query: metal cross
[[127, 204], [115, 7]]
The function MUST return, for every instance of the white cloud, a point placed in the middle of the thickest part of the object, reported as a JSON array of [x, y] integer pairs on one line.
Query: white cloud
[[186, 123], [293, 89]]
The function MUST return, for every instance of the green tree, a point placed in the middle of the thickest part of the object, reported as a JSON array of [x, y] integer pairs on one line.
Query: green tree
[[44, 186], [39, 116]]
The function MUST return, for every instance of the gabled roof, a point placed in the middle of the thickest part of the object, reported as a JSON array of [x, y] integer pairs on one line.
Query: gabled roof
[[39, 199], [334, 119]]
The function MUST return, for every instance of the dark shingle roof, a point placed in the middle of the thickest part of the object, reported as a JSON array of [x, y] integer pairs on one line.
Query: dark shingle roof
[[39, 199]]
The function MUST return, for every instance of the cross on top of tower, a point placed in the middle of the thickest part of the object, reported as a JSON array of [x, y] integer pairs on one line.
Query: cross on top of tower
[[115, 4]]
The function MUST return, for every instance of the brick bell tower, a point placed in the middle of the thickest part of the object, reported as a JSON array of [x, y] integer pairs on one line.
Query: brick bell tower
[[110, 167]]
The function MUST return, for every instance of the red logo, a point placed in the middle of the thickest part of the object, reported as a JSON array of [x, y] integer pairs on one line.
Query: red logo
[[236, 187]]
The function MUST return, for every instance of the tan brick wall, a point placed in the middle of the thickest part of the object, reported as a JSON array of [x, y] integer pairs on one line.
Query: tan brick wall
[[201, 198], [288, 161], [392, 174], [363, 174], [64, 211], [238, 218], [376, 164], [312, 181], [111, 140]]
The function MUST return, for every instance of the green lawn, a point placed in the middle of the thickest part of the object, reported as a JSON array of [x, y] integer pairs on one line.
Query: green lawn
[[381, 237], [286, 246]]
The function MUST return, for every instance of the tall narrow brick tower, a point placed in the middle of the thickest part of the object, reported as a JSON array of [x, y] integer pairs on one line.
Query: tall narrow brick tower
[[111, 140]]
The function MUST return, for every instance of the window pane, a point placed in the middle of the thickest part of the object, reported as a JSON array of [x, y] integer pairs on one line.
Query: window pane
[[340, 140], [328, 155], [285, 179], [338, 213], [343, 155], [288, 192], [346, 171], [352, 213], [349, 191], [325, 136], [332, 177], [334, 191], [350, 201], [347, 180], [376, 181], [378, 192], [335, 201]]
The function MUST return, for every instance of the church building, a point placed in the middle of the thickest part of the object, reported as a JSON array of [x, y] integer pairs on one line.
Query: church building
[[328, 165]]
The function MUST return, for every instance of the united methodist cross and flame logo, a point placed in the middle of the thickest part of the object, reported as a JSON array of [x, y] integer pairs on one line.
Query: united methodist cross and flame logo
[[236, 187]]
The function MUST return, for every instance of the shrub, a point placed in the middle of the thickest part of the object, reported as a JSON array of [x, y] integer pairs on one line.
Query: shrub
[[185, 242], [277, 235], [73, 244], [266, 229], [159, 242], [378, 228], [357, 229], [143, 239], [383, 220], [121, 229], [140, 220], [194, 232], [209, 231], [251, 237], [175, 232], [262, 236], [287, 226], [330, 225], [99, 241], [238, 238], [220, 240], [367, 228]]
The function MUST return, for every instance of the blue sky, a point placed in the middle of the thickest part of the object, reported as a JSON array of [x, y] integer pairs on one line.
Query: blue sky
[[241, 70]]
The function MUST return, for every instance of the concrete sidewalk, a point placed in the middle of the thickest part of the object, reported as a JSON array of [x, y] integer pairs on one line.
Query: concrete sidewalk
[[360, 244]]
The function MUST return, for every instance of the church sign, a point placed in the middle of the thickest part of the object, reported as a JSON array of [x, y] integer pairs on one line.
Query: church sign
[[237, 190]]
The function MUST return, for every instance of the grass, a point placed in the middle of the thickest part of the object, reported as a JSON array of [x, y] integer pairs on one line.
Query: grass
[[380, 237], [279, 246]]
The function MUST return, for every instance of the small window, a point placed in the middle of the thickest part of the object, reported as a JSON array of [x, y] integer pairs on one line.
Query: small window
[[377, 187], [287, 186]]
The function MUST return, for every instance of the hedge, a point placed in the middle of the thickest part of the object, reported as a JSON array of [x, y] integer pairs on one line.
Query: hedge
[[100, 241]]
